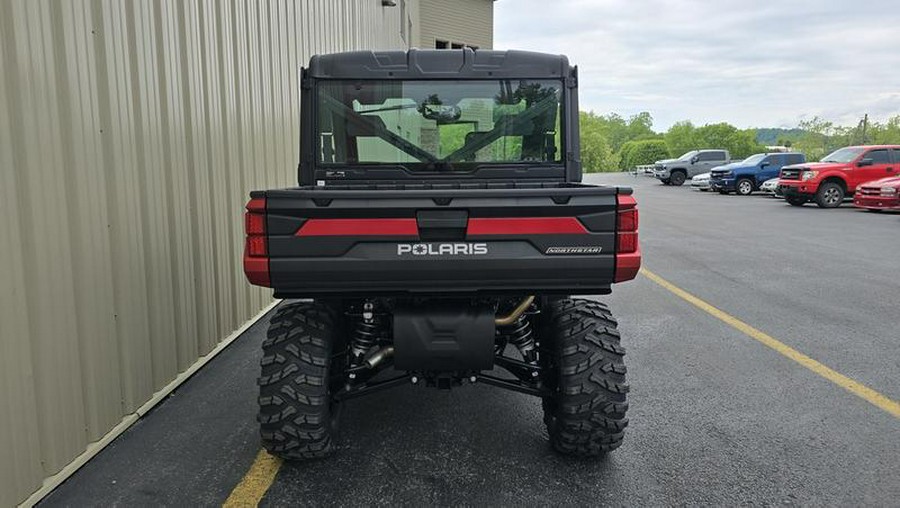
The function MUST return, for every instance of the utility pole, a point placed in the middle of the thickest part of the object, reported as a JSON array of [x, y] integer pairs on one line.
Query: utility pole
[[865, 125]]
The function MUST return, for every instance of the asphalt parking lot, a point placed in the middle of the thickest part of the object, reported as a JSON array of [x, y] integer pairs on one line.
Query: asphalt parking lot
[[717, 417]]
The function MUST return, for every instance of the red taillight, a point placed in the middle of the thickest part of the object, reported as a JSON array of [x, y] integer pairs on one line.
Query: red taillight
[[628, 220], [256, 246], [628, 243], [628, 251], [255, 223], [256, 251]]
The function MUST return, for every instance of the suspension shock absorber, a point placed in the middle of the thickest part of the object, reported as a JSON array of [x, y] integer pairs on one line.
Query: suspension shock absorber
[[366, 333], [521, 334]]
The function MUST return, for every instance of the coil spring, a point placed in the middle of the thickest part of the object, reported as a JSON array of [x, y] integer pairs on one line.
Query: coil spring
[[521, 335], [365, 336]]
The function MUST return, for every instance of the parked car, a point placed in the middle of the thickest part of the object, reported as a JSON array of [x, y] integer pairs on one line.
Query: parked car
[[838, 174], [878, 195], [748, 175], [771, 188], [700, 182], [689, 165]]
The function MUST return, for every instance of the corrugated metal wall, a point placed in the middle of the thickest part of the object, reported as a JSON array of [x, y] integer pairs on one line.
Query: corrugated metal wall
[[130, 135], [469, 22]]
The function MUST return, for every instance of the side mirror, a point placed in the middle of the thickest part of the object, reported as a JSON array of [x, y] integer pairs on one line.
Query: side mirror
[[694, 159], [765, 163], [441, 114], [865, 162]]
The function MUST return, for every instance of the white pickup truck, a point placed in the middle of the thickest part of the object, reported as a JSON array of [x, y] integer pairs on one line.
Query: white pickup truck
[[689, 165]]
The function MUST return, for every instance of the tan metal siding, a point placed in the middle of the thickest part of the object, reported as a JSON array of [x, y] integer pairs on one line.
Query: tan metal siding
[[469, 22], [130, 135]]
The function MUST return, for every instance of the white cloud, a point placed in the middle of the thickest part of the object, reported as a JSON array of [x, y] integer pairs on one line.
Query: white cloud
[[751, 64]]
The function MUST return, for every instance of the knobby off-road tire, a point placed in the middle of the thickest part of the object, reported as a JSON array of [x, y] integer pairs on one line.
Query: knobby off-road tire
[[586, 414], [297, 414]]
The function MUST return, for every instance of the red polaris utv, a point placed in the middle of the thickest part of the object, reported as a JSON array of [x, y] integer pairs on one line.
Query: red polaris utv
[[438, 230]]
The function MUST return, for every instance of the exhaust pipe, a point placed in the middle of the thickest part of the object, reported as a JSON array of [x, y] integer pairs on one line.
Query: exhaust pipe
[[379, 356], [516, 313]]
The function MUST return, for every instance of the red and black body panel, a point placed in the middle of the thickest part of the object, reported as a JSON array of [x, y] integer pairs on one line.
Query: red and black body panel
[[551, 238]]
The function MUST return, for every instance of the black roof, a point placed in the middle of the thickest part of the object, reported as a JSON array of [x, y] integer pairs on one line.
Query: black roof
[[439, 64]]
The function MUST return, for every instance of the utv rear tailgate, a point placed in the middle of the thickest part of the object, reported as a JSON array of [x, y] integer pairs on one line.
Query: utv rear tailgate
[[322, 241]]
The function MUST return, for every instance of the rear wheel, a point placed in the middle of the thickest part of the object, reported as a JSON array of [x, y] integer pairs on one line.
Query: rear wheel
[[677, 178], [744, 187], [830, 195], [796, 200], [585, 416], [297, 412]]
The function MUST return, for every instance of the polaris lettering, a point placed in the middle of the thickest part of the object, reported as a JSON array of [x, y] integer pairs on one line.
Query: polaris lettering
[[442, 249]]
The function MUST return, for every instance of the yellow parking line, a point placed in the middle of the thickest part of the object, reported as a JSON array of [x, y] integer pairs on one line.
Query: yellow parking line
[[255, 483], [852, 386], [262, 473]]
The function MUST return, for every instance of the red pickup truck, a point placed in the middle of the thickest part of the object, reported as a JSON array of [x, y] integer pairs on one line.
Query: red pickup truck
[[838, 174]]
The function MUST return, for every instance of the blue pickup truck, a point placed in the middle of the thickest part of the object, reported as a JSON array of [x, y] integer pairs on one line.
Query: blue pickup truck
[[746, 176]]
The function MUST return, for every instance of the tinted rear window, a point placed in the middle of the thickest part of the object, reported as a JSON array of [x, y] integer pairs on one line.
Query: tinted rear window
[[775, 160], [794, 158], [879, 156], [712, 156]]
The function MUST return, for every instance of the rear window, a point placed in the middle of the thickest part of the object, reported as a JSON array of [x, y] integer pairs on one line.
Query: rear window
[[712, 156], [775, 159], [794, 158], [880, 156], [439, 125]]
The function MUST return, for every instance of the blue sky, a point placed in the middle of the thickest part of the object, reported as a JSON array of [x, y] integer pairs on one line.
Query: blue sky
[[752, 64]]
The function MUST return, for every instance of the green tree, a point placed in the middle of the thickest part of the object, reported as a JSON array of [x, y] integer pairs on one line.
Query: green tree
[[821, 137], [681, 138], [596, 154], [640, 126], [715, 135], [625, 155], [818, 138], [742, 144], [646, 151], [887, 133]]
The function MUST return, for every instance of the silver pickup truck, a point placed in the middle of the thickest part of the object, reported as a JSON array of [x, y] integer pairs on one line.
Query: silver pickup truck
[[689, 165]]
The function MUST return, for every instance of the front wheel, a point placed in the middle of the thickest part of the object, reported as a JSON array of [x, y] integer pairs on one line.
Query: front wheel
[[830, 195], [585, 415], [744, 187], [297, 412], [795, 200], [677, 178]]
